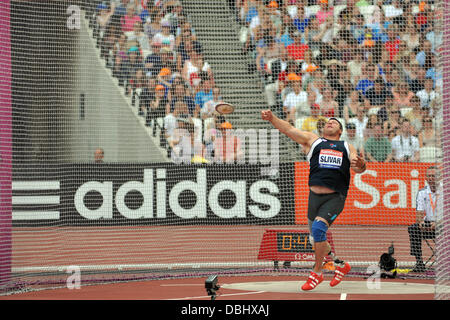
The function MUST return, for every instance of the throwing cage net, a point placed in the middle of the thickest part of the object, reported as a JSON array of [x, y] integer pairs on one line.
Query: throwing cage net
[[115, 164]]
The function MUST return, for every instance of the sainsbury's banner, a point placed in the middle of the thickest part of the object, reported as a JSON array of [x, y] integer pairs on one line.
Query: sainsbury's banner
[[385, 194]]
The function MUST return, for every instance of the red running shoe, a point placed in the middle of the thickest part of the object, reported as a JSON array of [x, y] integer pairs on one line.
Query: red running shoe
[[339, 273], [313, 281]]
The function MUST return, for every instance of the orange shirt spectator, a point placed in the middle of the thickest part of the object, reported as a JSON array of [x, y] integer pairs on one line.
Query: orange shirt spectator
[[227, 147]]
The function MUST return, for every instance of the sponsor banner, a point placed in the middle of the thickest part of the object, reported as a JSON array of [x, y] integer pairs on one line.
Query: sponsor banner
[[385, 194], [156, 194]]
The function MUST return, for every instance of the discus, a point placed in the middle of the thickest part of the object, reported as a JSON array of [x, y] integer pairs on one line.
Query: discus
[[224, 108]]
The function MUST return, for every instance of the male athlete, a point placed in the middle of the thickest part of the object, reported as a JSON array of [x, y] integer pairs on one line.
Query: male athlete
[[330, 161]]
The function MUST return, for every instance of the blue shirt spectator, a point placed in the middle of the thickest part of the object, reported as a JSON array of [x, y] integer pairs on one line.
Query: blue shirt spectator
[[363, 85], [301, 24], [201, 97]]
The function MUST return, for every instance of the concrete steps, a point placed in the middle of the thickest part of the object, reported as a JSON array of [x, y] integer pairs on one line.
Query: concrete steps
[[218, 32]]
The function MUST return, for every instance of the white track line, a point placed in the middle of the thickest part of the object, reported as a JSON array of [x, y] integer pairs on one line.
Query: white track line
[[219, 295]]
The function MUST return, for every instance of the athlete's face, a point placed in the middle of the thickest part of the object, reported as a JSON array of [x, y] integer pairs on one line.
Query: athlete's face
[[332, 128]]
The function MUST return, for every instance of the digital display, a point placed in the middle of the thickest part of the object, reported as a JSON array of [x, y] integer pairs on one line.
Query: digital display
[[293, 242]]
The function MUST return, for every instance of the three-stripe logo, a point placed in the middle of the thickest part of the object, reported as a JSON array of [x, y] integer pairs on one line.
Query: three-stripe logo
[[31, 200]]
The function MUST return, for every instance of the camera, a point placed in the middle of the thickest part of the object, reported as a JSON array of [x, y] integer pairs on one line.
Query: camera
[[211, 286], [388, 263]]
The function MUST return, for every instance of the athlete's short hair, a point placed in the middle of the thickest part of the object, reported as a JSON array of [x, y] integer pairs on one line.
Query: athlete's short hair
[[336, 119]]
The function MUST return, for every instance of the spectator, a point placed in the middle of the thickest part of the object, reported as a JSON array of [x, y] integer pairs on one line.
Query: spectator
[[429, 136], [313, 36], [402, 95], [193, 67], [392, 45], [352, 137], [324, 12], [172, 121], [425, 54], [296, 99], [328, 107], [360, 121], [128, 20], [435, 72], [227, 146], [164, 35], [108, 43], [301, 21], [175, 16], [310, 123], [383, 112], [147, 95], [165, 79], [356, 65], [308, 65], [275, 16], [104, 16], [410, 34], [370, 127], [296, 50], [392, 125], [99, 155], [179, 93], [434, 34], [185, 46], [167, 59], [417, 81], [153, 63], [212, 130], [415, 116], [268, 52], [377, 148], [185, 32], [183, 144], [377, 94], [138, 36], [121, 8], [120, 54], [427, 95], [156, 109], [368, 79], [208, 110], [257, 25], [425, 225], [204, 95], [357, 28], [282, 87], [129, 68], [320, 125], [154, 26], [405, 147]]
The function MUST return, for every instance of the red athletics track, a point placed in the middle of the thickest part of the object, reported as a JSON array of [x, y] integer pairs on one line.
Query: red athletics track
[[193, 289], [65, 246]]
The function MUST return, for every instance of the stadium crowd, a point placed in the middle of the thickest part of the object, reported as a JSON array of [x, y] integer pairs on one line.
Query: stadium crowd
[[153, 51], [373, 64]]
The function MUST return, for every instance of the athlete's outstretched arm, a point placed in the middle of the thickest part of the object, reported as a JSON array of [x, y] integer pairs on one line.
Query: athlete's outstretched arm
[[304, 138], [357, 162]]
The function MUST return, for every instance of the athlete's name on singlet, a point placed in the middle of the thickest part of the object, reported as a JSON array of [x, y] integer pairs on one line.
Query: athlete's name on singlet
[[330, 159]]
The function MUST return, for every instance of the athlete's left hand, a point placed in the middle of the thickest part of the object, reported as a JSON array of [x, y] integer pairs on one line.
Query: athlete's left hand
[[358, 162]]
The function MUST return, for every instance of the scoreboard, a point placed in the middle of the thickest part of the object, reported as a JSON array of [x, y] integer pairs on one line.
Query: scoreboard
[[288, 246]]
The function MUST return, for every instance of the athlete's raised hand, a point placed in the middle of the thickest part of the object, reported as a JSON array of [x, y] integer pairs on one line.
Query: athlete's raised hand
[[266, 115]]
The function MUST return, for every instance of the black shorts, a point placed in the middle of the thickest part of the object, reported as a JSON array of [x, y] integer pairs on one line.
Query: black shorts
[[327, 206]]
